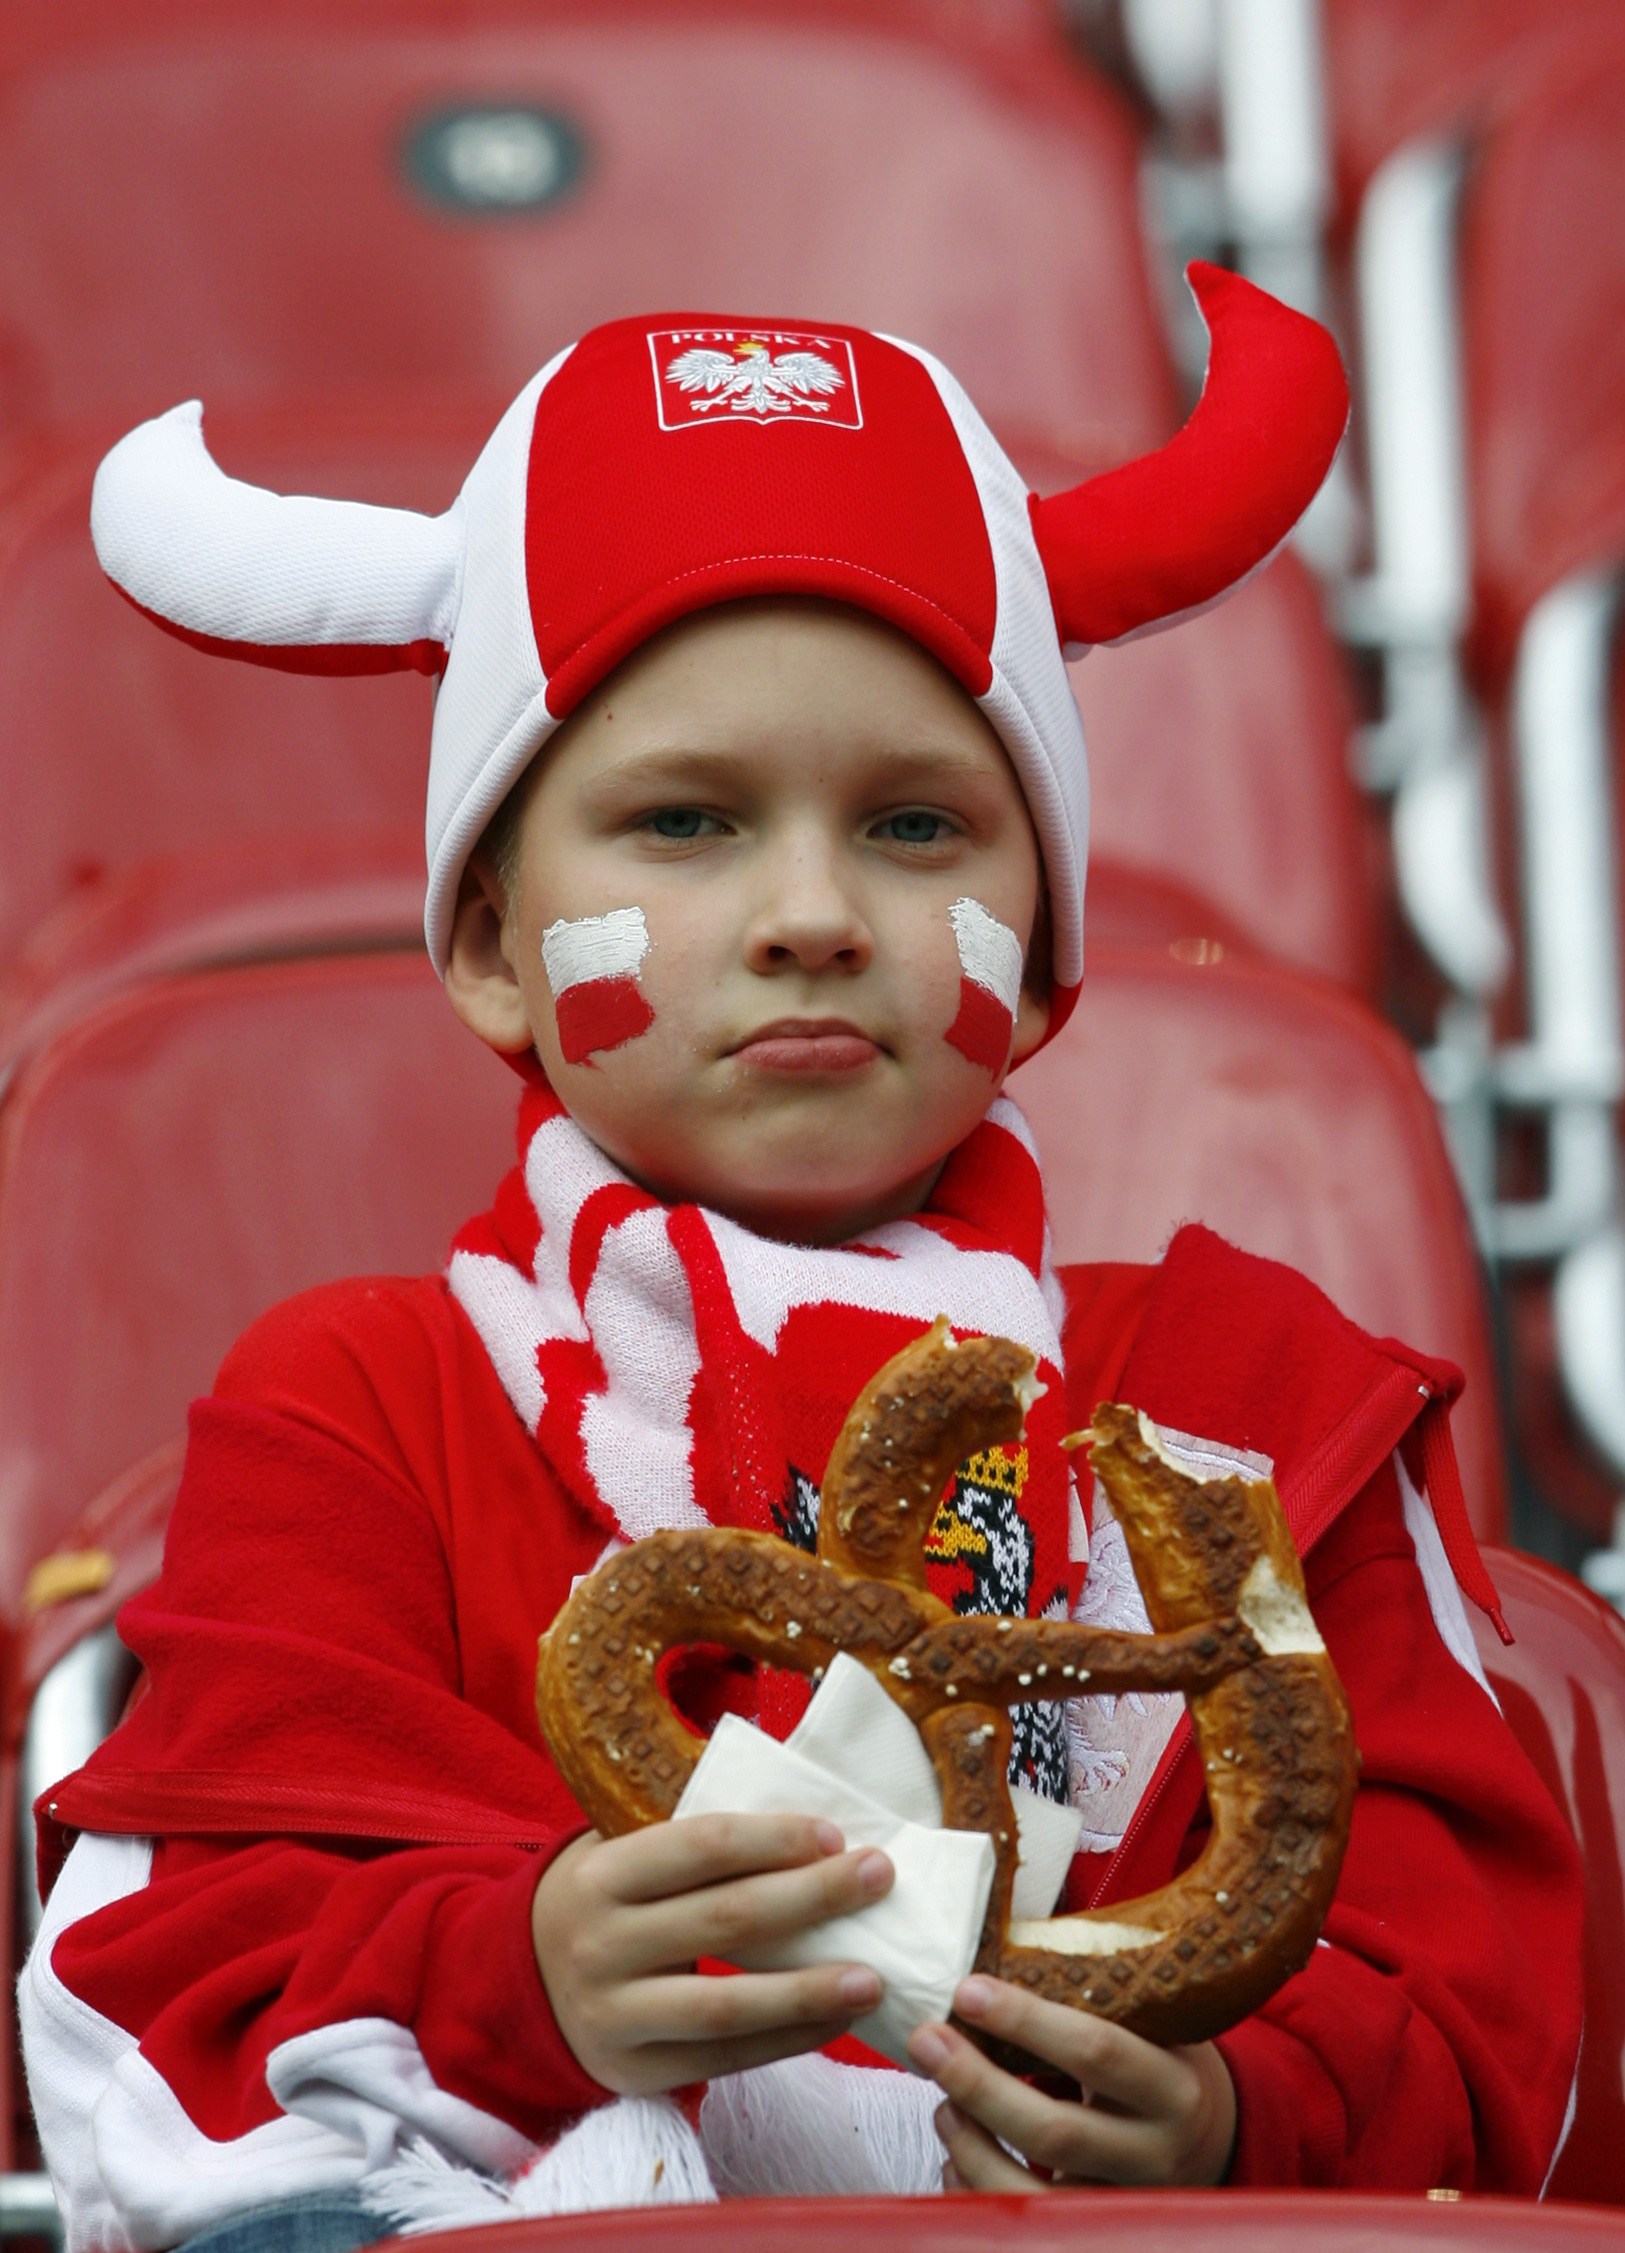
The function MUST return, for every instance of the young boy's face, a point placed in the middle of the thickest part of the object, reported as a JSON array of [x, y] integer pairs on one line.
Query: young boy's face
[[775, 805]]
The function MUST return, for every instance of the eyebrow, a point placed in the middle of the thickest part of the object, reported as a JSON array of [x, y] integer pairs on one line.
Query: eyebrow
[[691, 766]]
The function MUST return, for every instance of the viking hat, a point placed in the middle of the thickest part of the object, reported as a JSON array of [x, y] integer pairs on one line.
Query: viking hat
[[663, 465]]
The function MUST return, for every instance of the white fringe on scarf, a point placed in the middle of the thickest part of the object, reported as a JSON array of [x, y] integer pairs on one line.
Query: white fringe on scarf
[[809, 2128], [803, 2128]]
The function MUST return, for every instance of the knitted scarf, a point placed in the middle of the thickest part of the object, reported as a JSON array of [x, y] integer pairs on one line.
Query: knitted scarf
[[677, 1370]]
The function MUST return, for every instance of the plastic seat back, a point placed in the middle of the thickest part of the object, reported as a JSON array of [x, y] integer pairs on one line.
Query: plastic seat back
[[249, 899], [1562, 1688], [1543, 345], [119, 743], [1219, 760], [187, 1156], [246, 202], [1290, 1119], [1398, 70]]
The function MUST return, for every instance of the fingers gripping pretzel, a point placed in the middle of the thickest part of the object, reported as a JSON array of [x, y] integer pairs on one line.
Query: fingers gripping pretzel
[[1224, 1592]]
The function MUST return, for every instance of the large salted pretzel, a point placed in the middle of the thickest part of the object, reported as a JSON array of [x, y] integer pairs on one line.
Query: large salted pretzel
[[1224, 1591]]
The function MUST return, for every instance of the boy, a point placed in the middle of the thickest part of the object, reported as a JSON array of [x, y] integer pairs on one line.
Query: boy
[[796, 879]]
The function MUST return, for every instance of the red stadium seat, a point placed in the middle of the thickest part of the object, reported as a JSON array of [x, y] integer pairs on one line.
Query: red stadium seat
[[1135, 2221], [1544, 347], [137, 1235], [1562, 1687], [253, 899], [1564, 1469], [1127, 907], [185, 1157], [1399, 70], [251, 202], [1293, 1121], [1219, 760], [1544, 371], [119, 743]]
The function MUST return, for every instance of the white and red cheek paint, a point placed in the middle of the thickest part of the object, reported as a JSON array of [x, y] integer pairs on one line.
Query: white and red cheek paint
[[594, 967], [990, 966]]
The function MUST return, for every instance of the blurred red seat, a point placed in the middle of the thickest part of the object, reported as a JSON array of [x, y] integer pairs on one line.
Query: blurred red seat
[[1399, 70], [1562, 1688], [254, 202], [1543, 345], [1289, 1118], [1543, 359], [1129, 907], [1219, 760], [188, 1155], [247, 899], [1133, 2221], [119, 743]]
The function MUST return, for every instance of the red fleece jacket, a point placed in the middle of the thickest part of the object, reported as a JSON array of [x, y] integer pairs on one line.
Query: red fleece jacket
[[339, 1767]]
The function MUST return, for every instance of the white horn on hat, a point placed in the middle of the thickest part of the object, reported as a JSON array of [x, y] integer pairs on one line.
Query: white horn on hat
[[310, 586]]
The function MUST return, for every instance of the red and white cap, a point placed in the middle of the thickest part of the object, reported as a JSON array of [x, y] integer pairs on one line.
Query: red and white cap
[[666, 464]]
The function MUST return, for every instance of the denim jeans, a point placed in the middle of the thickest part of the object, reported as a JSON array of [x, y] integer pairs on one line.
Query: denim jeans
[[320, 2221]]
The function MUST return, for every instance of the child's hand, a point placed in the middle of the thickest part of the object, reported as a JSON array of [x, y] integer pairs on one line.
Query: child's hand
[[1172, 2116], [617, 1924]]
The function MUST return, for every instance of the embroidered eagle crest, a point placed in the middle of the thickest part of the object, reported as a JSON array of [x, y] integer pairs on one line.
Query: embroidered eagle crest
[[980, 1531], [751, 380], [762, 376]]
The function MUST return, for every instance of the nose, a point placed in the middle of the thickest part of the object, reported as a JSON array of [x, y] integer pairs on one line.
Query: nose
[[809, 918]]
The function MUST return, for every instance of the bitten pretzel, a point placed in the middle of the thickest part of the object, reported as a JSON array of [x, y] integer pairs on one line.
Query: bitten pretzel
[[1224, 1592]]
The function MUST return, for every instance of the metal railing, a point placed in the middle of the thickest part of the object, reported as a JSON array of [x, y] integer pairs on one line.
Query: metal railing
[[28, 2208], [1253, 68], [74, 1708], [1570, 1071]]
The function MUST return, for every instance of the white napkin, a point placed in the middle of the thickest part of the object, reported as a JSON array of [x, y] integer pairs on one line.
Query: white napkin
[[854, 1730], [857, 1759]]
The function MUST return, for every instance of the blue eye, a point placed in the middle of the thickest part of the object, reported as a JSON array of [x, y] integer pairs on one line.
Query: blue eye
[[678, 821], [916, 827]]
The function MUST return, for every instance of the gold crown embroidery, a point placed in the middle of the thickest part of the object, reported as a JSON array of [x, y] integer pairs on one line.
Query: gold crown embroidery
[[1000, 1470], [993, 1470]]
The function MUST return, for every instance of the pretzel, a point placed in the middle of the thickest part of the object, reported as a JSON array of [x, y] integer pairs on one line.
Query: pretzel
[[1224, 1592]]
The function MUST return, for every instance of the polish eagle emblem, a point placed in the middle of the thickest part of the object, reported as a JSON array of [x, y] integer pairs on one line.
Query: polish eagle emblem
[[753, 380]]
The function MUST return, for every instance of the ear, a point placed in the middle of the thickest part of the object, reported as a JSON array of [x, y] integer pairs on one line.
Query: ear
[[481, 982], [1032, 1024]]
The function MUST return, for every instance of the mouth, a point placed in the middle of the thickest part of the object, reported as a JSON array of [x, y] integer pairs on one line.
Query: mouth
[[807, 1044]]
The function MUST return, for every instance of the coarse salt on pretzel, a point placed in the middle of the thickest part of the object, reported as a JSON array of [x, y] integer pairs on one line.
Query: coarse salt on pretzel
[[1223, 1589]]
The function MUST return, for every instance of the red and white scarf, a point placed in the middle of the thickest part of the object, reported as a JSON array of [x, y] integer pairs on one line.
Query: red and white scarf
[[677, 1370]]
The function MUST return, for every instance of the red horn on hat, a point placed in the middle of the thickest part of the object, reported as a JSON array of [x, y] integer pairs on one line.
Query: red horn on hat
[[1168, 534]]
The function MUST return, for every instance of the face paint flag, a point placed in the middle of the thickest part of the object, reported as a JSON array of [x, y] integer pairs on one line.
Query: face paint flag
[[592, 967], [989, 985]]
